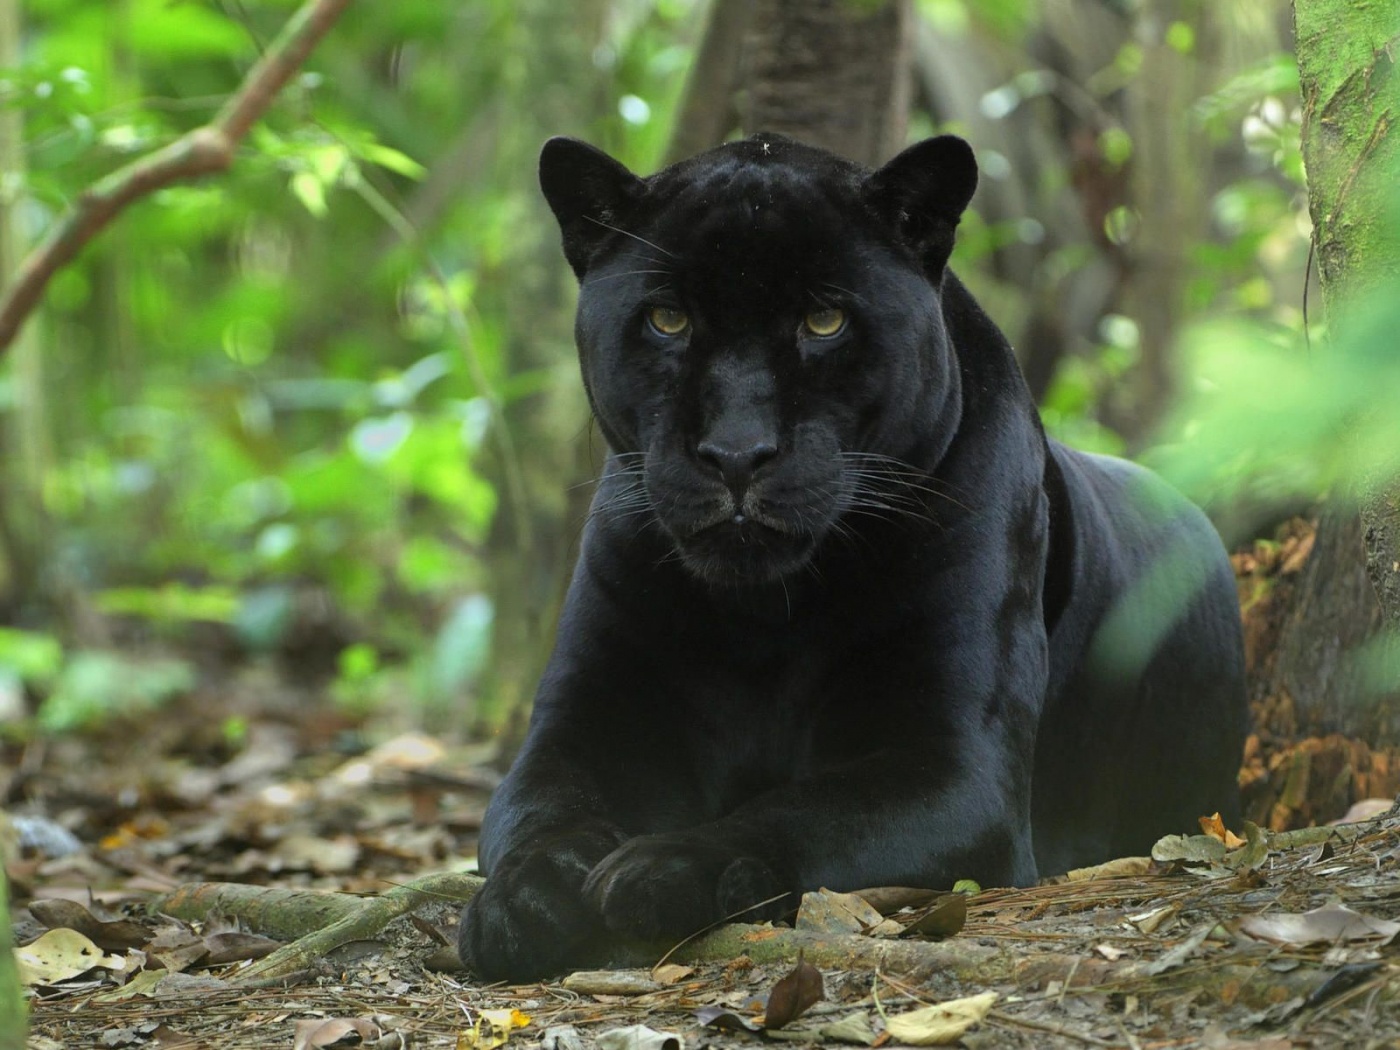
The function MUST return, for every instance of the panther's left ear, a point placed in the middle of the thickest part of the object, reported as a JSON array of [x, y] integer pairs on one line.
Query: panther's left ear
[[922, 194], [588, 191]]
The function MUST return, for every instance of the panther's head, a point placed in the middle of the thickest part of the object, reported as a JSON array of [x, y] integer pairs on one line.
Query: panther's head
[[761, 337]]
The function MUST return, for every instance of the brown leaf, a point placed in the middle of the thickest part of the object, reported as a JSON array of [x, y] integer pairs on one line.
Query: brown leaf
[[671, 973], [794, 994], [943, 918], [1119, 867], [436, 934], [168, 1038], [323, 1033], [177, 960], [58, 914], [176, 948], [235, 947], [726, 1019], [1216, 829], [826, 911], [1330, 924], [889, 899]]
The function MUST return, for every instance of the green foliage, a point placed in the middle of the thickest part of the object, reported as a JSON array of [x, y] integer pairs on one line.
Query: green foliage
[[30, 657], [95, 686], [280, 381], [288, 380], [1270, 421]]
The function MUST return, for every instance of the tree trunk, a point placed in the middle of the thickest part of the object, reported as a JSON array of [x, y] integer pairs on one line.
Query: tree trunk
[[709, 112], [24, 437], [1306, 679], [1346, 72], [833, 73], [529, 560]]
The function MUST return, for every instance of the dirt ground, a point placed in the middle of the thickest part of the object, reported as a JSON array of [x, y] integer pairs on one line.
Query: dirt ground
[[1276, 938]]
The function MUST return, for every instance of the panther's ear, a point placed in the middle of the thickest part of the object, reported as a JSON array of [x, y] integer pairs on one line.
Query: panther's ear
[[922, 194], [588, 192]]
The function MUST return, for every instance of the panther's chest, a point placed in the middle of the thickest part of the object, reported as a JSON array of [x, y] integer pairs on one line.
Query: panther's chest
[[750, 729]]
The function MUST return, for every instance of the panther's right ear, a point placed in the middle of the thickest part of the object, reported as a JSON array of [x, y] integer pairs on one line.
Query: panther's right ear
[[922, 193], [589, 192]]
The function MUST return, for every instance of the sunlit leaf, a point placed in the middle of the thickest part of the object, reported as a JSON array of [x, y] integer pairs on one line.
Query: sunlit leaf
[[941, 1024], [59, 955]]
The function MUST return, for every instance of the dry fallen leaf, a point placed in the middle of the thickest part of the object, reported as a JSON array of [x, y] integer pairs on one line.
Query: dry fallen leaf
[[59, 955], [56, 913], [235, 946], [1151, 920], [1216, 829], [1330, 924], [1189, 849], [1251, 854], [826, 911], [792, 996], [1112, 869], [853, 1028], [944, 917], [940, 1024], [723, 1018], [144, 983], [639, 1037], [167, 1038], [671, 973], [492, 1029], [323, 1033]]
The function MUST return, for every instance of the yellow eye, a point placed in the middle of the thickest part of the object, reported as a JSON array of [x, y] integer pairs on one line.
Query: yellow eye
[[668, 321], [825, 322]]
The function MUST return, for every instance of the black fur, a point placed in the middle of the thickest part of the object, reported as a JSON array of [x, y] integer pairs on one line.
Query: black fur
[[843, 617]]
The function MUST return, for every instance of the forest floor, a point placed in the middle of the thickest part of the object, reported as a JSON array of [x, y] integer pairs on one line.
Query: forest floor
[[1279, 938]]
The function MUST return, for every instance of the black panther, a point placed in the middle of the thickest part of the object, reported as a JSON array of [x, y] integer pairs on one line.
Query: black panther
[[843, 616]]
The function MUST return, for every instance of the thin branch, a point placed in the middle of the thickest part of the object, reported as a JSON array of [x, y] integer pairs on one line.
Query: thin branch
[[202, 151]]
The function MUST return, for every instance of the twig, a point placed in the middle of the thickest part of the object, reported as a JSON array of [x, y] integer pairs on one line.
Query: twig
[[1007, 1020], [204, 150], [331, 919]]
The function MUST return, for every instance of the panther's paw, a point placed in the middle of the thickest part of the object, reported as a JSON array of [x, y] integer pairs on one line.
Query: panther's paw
[[661, 886], [531, 918]]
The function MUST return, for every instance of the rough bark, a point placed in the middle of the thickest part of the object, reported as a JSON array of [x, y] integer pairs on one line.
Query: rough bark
[[1330, 615], [709, 110], [833, 73], [320, 922], [1350, 103]]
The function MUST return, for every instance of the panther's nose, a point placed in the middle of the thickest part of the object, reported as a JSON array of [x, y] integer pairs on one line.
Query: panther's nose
[[736, 462]]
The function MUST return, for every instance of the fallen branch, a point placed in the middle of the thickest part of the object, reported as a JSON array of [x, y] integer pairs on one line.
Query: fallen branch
[[283, 915], [199, 152], [321, 922]]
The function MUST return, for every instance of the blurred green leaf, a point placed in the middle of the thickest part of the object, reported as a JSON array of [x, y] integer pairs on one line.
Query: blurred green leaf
[[31, 656], [95, 686]]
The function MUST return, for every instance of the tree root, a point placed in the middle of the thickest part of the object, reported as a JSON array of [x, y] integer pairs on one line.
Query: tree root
[[323, 922], [320, 922]]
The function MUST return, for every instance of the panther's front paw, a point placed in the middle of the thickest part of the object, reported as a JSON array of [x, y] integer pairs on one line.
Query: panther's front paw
[[531, 918], [673, 885]]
